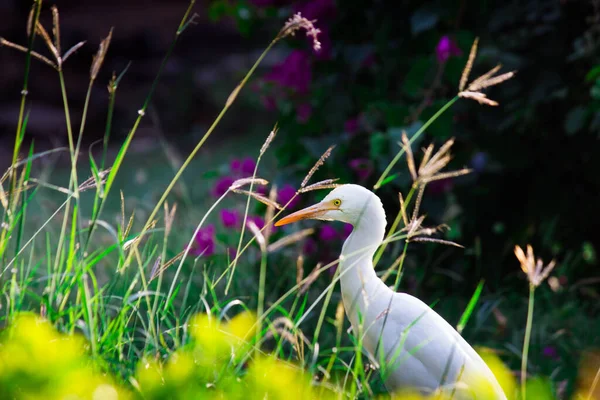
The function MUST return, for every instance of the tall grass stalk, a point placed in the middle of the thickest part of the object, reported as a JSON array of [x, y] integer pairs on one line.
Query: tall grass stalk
[[525, 352], [288, 29], [380, 181]]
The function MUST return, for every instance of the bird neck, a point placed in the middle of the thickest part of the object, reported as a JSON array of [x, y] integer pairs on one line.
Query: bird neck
[[358, 278]]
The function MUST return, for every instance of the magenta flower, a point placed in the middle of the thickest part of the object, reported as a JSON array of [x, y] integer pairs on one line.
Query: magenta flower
[[346, 231], [303, 112], [327, 233], [222, 185], [204, 242], [287, 193], [363, 167], [550, 352], [231, 252], [293, 73], [235, 165], [230, 218], [351, 125], [248, 166], [260, 189], [446, 48], [316, 9]]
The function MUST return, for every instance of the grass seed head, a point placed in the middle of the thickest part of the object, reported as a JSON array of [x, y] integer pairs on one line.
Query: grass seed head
[[534, 269], [473, 90], [99, 57], [298, 22], [317, 165]]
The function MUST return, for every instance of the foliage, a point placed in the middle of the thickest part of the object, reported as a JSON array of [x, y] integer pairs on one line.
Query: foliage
[[150, 291]]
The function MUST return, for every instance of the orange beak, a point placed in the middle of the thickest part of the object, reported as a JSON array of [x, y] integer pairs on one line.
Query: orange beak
[[312, 212]]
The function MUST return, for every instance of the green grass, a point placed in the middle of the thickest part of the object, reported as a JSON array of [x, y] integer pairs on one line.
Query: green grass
[[84, 256]]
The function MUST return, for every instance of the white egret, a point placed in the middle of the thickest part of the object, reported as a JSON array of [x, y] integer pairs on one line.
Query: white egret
[[419, 348]]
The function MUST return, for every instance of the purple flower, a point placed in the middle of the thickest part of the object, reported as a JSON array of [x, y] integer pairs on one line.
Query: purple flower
[[303, 112], [248, 166], [235, 165], [293, 73], [445, 49], [347, 230], [260, 189], [316, 9], [258, 221], [351, 125], [230, 218], [231, 252], [286, 194], [550, 352], [327, 233], [363, 167], [204, 242], [222, 185]]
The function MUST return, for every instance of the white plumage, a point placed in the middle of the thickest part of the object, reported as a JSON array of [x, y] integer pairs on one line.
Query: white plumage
[[412, 344]]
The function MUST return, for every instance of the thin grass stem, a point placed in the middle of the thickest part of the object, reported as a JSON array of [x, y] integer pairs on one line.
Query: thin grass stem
[[412, 139], [526, 342]]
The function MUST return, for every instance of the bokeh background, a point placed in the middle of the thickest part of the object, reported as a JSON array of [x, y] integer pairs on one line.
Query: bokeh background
[[385, 67]]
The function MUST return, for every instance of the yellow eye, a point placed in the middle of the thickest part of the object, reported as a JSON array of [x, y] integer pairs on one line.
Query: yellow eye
[[337, 202]]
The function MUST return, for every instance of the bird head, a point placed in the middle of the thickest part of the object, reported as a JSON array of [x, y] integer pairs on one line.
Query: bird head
[[346, 203]]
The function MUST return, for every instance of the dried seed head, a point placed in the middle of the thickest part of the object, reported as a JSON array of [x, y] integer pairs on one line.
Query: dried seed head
[[94, 181], [310, 279], [465, 74], [4, 42], [169, 217], [315, 167], [39, 28], [431, 165], [260, 198], [99, 57], [325, 184], [270, 138], [298, 22], [246, 181], [535, 271], [299, 269], [258, 235], [72, 51], [30, 19], [56, 28], [473, 90]]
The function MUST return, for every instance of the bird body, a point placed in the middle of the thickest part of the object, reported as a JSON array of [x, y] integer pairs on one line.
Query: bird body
[[413, 346]]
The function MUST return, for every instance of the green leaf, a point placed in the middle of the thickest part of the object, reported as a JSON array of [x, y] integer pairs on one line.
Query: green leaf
[[470, 307], [378, 145], [389, 179], [593, 74]]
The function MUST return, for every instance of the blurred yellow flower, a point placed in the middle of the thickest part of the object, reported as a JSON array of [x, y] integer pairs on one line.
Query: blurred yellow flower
[[36, 361]]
